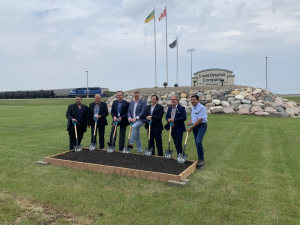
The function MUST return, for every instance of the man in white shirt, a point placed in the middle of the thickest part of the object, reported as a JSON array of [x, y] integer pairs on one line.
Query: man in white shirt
[[199, 127]]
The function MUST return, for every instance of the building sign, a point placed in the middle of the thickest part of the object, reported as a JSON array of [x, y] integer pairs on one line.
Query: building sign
[[212, 77]]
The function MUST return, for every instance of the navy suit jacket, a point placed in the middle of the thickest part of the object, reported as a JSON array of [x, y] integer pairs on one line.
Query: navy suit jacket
[[140, 110], [103, 112], [72, 113], [180, 117], [123, 113]]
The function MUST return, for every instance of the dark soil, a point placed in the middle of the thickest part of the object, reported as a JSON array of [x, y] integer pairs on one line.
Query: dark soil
[[131, 161]]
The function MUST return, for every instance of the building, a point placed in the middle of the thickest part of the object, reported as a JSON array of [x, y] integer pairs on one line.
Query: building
[[213, 77]]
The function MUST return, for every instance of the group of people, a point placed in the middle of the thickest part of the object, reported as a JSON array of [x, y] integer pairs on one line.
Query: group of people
[[138, 114]]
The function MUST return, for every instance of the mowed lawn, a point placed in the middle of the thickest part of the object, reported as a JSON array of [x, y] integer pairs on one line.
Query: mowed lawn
[[251, 176]]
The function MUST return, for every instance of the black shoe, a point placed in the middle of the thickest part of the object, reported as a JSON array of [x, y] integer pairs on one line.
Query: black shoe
[[201, 164]]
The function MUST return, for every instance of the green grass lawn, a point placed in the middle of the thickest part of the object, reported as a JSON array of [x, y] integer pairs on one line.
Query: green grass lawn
[[293, 98], [251, 176]]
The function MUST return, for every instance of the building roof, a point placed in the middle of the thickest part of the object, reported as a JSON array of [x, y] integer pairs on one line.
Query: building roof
[[214, 69]]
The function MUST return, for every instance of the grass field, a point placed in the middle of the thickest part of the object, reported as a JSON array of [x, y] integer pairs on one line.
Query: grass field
[[293, 98], [251, 176]]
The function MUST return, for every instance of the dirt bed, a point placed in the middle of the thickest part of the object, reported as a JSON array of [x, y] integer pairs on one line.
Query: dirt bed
[[131, 161]]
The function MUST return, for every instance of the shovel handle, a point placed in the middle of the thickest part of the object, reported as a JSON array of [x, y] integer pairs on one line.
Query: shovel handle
[[129, 132], [187, 134], [95, 128], [170, 133], [149, 130], [75, 130], [115, 131]]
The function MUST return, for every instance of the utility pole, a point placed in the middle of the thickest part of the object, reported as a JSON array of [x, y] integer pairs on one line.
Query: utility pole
[[87, 84], [266, 73], [191, 51]]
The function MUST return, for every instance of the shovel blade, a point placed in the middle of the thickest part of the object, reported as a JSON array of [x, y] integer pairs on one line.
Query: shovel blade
[[148, 152], [126, 150], [168, 154], [77, 148], [111, 149], [93, 146], [182, 158]]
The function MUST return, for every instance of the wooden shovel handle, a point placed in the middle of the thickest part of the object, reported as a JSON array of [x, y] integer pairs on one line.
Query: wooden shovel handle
[[95, 128], [115, 130], [129, 132], [75, 131], [149, 131], [187, 134], [170, 133]]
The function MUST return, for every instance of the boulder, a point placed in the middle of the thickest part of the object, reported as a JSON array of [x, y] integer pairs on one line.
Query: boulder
[[216, 101], [231, 95], [168, 103], [279, 101], [291, 112], [228, 110], [267, 99], [279, 109], [256, 91], [230, 99], [235, 102], [249, 90], [293, 103], [211, 104], [217, 109], [256, 108], [244, 111], [225, 104], [246, 105], [208, 99], [262, 114], [289, 105], [244, 101], [203, 102], [182, 102], [239, 97], [242, 93], [183, 95], [285, 100], [270, 109], [164, 96], [222, 98], [200, 94], [235, 92], [272, 104]]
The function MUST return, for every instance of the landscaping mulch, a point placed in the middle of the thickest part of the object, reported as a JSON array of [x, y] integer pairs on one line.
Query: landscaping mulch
[[131, 161]]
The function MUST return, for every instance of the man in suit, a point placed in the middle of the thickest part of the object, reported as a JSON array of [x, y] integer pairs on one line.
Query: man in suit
[[155, 113], [177, 115], [119, 112], [99, 111], [77, 113], [137, 117]]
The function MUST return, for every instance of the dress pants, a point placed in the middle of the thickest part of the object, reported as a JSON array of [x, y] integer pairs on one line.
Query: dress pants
[[80, 132], [177, 138], [199, 133], [122, 135], [157, 136], [101, 131]]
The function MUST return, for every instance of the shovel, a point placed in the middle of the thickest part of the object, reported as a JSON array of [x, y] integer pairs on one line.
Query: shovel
[[128, 148], [93, 145], [77, 148], [169, 153], [148, 150], [112, 146], [182, 156]]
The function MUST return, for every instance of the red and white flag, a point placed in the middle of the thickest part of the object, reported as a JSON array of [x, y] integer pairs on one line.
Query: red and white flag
[[163, 14]]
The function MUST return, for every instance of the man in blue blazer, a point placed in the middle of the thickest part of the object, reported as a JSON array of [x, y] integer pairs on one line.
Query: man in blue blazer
[[136, 116], [119, 111], [176, 114]]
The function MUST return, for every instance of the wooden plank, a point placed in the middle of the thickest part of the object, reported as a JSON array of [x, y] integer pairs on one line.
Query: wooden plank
[[149, 175]]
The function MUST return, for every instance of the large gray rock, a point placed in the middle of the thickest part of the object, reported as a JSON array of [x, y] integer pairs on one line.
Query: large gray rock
[[279, 109], [168, 103], [203, 102], [239, 97], [228, 110], [230, 99], [216, 101], [208, 99], [246, 105], [292, 111], [251, 98], [210, 104], [244, 101], [279, 101], [200, 94], [272, 104], [235, 103], [225, 104], [256, 108], [244, 111], [258, 104], [267, 99], [222, 98]]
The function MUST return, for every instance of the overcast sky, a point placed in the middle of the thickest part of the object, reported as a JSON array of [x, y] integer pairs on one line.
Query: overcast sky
[[50, 44]]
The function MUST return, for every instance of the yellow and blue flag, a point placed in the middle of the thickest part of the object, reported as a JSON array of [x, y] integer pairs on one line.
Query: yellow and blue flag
[[150, 17]]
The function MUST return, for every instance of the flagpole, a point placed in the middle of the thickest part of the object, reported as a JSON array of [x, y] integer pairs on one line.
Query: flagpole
[[166, 44], [177, 64], [155, 50]]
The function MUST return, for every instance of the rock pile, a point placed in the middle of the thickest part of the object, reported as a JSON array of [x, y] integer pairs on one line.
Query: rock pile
[[239, 100]]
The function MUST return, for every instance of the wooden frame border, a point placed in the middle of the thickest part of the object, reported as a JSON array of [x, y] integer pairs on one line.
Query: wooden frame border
[[148, 175]]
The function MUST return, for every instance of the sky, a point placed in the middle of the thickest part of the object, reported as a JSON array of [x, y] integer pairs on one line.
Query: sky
[[51, 44]]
